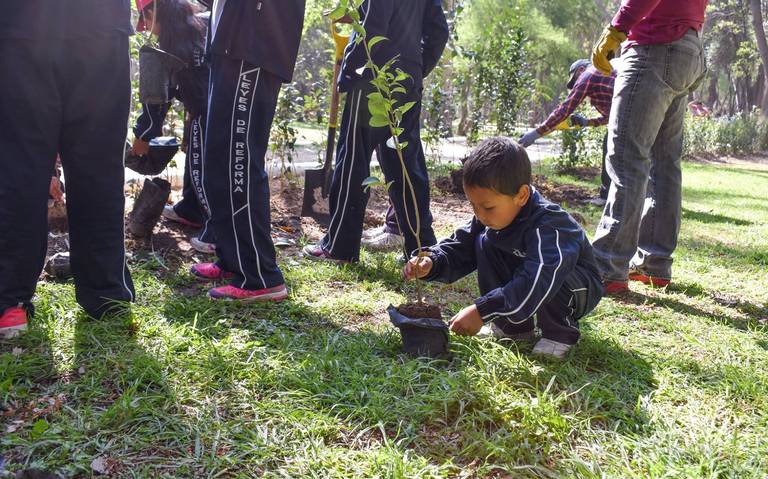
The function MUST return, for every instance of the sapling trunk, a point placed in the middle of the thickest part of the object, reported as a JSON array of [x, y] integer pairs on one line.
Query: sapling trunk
[[393, 124]]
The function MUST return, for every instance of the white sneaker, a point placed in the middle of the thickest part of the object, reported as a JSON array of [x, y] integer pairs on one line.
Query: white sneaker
[[202, 246], [551, 349], [492, 331], [169, 213], [384, 242], [374, 232]]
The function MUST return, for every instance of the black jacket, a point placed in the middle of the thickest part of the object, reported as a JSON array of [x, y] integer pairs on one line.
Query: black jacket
[[416, 31], [522, 266], [64, 19], [264, 33]]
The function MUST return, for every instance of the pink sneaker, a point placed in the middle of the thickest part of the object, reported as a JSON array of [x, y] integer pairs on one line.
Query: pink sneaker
[[229, 292], [12, 322], [210, 272]]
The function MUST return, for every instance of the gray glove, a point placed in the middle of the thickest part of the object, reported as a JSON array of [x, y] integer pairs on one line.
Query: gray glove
[[529, 138], [579, 120]]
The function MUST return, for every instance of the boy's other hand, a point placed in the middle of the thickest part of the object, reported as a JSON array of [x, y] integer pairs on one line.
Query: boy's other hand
[[417, 267], [140, 147], [468, 322]]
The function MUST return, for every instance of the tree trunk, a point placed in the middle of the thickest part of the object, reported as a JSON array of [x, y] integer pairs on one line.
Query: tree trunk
[[714, 98], [762, 45]]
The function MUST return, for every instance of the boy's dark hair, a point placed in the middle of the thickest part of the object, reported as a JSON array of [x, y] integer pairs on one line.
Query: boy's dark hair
[[499, 164]]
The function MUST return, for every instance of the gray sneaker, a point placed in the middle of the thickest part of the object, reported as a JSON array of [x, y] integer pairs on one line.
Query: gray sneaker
[[384, 242], [492, 331], [551, 349], [374, 232]]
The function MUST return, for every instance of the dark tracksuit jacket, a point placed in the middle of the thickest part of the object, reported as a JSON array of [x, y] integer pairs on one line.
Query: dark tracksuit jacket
[[65, 83], [190, 88], [417, 33], [541, 264], [253, 51]]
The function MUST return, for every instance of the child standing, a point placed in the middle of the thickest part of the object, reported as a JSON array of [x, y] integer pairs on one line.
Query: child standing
[[532, 258], [253, 49], [417, 32]]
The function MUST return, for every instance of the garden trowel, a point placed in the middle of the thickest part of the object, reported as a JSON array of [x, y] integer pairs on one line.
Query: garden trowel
[[317, 181]]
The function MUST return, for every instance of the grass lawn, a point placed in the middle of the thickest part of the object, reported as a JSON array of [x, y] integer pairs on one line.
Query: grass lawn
[[663, 384]]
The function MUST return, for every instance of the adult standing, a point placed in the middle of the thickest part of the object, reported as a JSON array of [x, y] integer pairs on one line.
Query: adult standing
[[65, 78], [585, 82], [253, 50], [663, 61]]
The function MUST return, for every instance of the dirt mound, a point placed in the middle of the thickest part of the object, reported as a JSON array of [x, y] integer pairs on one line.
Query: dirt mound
[[562, 193], [452, 184]]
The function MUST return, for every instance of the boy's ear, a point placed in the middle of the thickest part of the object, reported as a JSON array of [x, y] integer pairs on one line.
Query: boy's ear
[[522, 196]]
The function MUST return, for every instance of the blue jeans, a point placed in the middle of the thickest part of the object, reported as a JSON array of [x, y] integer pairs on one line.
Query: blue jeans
[[641, 220]]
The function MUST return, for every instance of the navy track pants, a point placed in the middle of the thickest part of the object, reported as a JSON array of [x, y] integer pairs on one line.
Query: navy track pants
[[69, 97], [242, 103]]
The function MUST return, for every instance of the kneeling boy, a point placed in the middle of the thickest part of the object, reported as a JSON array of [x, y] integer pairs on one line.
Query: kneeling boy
[[532, 258]]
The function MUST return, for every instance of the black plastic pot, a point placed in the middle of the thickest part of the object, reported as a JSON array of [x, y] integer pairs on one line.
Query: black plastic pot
[[422, 337], [58, 266], [156, 71], [149, 207], [161, 151]]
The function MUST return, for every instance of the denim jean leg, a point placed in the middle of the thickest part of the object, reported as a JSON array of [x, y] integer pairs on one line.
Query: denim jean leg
[[660, 223], [640, 102]]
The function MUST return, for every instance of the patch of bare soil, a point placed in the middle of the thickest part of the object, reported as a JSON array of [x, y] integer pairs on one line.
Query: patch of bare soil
[[423, 310], [555, 192], [585, 173], [562, 193]]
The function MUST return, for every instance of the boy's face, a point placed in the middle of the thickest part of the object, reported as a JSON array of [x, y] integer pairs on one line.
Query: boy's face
[[496, 210]]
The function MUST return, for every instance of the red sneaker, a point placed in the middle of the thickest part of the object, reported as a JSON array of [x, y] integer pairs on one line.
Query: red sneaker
[[637, 275], [210, 272], [12, 322], [229, 292], [613, 288], [317, 253]]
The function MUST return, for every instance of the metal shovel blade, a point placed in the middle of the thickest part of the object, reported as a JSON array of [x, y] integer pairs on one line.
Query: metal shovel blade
[[315, 204]]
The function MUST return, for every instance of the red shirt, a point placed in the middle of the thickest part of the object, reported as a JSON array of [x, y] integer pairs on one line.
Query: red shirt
[[652, 22]]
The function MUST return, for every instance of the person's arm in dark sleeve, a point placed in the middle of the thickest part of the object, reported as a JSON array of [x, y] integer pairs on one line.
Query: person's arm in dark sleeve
[[150, 123], [550, 257], [375, 15], [435, 35], [631, 12], [454, 257], [561, 113]]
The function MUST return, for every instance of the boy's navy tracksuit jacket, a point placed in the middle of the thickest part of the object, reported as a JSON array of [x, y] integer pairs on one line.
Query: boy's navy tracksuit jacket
[[543, 256]]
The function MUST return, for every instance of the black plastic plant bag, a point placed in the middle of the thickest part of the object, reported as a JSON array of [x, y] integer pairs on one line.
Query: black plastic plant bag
[[422, 337]]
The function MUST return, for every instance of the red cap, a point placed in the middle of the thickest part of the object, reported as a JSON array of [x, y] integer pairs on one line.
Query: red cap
[[140, 6]]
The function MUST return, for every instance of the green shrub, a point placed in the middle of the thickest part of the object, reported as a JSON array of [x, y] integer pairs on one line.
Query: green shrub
[[741, 134], [580, 148]]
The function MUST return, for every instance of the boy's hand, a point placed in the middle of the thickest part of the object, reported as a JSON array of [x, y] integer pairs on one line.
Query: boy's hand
[[417, 267], [468, 322]]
